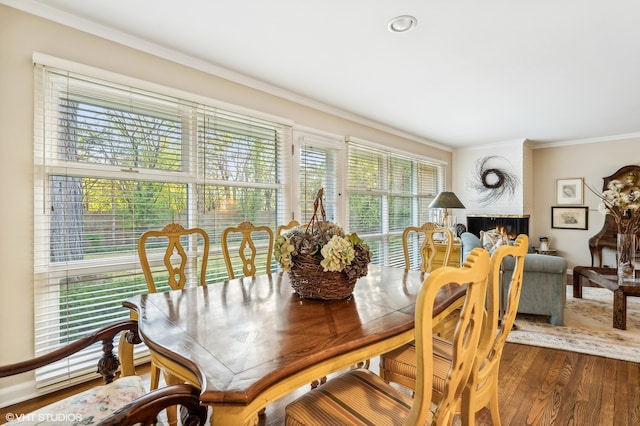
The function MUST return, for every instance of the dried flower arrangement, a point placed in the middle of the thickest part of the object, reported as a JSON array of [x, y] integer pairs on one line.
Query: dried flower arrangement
[[322, 261]]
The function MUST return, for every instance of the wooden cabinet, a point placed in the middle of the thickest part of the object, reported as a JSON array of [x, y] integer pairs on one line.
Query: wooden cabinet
[[454, 259]]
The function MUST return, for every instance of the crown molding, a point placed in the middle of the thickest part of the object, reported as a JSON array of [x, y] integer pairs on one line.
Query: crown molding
[[539, 145]]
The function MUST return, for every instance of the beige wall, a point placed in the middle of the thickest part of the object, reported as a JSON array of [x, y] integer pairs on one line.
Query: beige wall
[[540, 168], [20, 36], [591, 161]]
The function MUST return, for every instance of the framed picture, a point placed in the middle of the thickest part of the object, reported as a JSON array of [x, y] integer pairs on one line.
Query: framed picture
[[569, 217], [569, 191]]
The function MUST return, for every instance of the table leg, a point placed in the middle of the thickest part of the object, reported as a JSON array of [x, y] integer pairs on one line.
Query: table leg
[[577, 285], [619, 310]]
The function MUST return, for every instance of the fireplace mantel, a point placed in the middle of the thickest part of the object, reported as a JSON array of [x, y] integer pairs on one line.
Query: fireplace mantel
[[512, 224]]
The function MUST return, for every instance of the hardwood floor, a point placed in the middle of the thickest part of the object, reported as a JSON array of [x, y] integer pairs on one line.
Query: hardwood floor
[[539, 386]]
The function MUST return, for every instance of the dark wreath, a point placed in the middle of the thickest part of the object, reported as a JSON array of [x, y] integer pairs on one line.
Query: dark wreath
[[493, 183]]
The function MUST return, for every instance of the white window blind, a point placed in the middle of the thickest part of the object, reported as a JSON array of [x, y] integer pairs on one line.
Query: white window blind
[[389, 191], [319, 168], [112, 161]]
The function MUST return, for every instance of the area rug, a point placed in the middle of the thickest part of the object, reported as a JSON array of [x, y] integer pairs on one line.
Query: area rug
[[588, 327]]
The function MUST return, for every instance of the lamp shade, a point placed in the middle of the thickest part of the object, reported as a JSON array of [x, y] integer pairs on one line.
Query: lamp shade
[[446, 200]]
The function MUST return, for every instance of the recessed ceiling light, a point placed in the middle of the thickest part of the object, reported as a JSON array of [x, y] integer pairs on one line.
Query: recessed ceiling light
[[402, 23]]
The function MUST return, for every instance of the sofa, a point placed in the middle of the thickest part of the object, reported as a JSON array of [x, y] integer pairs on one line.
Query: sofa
[[544, 281]]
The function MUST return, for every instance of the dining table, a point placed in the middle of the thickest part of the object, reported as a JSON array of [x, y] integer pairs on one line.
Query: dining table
[[248, 341]]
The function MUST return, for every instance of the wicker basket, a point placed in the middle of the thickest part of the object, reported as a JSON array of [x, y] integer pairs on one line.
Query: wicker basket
[[310, 281]]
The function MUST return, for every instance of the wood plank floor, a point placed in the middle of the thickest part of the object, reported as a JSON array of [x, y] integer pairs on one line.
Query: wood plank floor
[[539, 386]]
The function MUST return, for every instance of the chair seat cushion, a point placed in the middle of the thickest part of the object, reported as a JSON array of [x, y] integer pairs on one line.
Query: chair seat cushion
[[88, 407], [358, 397], [402, 362]]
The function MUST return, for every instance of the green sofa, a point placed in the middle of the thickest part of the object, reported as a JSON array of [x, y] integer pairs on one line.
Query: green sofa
[[544, 281]]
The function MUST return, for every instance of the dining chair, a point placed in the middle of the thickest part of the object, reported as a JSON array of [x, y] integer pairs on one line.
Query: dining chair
[[399, 366], [361, 397], [249, 233], [426, 233], [429, 247], [501, 308], [175, 259], [121, 400], [171, 242], [282, 228], [429, 251]]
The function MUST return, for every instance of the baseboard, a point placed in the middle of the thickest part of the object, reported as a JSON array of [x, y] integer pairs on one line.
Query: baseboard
[[10, 395]]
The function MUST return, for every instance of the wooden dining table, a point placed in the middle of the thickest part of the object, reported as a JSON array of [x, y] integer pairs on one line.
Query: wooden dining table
[[249, 341]]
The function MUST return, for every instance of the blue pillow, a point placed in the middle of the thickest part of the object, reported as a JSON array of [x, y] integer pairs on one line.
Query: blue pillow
[[469, 242]]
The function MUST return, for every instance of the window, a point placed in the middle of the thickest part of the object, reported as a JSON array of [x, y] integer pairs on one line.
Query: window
[[387, 192], [112, 161], [319, 167]]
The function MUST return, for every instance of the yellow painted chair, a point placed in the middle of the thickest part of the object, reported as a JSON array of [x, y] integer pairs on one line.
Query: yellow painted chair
[[282, 228], [170, 244], [428, 250], [246, 250], [361, 397], [175, 258], [428, 254], [399, 366]]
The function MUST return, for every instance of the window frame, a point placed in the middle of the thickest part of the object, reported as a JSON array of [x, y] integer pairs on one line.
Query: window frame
[[385, 255], [48, 274]]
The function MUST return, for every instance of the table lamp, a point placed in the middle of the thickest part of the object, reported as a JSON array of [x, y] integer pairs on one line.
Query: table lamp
[[446, 200]]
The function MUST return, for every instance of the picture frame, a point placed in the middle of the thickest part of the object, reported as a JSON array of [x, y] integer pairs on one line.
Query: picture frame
[[569, 217], [569, 191]]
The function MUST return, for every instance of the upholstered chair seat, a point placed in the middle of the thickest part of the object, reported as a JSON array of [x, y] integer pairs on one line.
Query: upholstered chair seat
[[386, 405], [122, 400], [88, 407], [360, 397], [399, 365]]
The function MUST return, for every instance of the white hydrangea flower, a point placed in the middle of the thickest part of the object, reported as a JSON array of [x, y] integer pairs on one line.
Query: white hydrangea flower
[[337, 253]]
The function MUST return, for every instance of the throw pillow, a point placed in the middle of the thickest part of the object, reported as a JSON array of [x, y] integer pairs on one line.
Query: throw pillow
[[493, 239]]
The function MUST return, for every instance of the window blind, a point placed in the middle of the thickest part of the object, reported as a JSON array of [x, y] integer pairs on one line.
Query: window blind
[[112, 161], [389, 191], [318, 161]]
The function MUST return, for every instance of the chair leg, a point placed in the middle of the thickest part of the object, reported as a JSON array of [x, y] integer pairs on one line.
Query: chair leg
[[172, 412], [155, 377], [493, 403]]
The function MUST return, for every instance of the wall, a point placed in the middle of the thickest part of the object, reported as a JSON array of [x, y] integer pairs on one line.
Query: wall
[[21, 35], [538, 167], [511, 162], [591, 161]]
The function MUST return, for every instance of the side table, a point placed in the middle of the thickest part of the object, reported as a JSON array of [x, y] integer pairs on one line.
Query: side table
[[549, 251], [454, 258]]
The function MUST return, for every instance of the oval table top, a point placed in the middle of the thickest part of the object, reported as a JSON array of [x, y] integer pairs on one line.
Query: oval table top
[[242, 336]]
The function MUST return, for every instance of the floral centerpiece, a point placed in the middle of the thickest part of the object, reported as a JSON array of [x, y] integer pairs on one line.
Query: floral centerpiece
[[622, 202], [322, 261]]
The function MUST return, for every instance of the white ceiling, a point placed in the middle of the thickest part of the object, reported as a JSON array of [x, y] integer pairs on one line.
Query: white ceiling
[[472, 72]]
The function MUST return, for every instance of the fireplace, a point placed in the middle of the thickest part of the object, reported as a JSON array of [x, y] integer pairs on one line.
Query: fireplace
[[511, 225]]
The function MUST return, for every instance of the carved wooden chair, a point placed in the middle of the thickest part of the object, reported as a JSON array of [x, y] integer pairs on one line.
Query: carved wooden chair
[[428, 250], [121, 401], [282, 228], [175, 259], [177, 264], [246, 250], [482, 387], [399, 366], [361, 397]]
